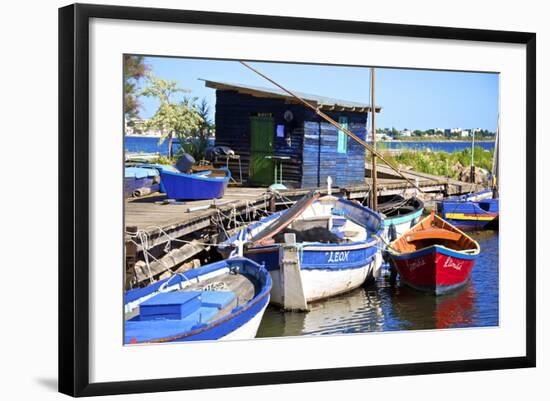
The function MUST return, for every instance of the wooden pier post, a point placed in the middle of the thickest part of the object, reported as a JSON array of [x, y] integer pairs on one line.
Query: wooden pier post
[[374, 195], [170, 261], [130, 253], [272, 204], [293, 290]]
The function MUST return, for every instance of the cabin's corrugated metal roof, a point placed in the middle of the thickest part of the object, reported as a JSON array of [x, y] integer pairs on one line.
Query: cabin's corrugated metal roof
[[326, 103]]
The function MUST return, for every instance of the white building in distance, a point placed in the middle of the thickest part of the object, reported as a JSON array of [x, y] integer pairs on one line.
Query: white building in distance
[[136, 127]]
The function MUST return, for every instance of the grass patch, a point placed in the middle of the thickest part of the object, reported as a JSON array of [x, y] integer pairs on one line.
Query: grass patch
[[164, 160], [442, 163]]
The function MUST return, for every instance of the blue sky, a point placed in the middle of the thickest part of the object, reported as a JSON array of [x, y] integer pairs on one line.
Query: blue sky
[[413, 99]]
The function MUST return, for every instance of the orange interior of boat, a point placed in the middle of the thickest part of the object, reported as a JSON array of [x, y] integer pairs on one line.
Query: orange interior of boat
[[197, 167], [430, 231], [214, 172], [218, 173]]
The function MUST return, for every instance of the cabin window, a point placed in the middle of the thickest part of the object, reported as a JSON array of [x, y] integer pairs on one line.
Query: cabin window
[[342, 136]]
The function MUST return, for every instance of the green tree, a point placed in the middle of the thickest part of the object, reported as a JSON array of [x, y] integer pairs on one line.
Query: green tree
[[394, 132], [196, 146], [172, 117], [134, 70], [204, 111]]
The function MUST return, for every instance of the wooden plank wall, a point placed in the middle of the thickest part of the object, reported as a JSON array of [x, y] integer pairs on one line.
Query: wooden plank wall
[[321, 158], [354, 160], [311, 176]]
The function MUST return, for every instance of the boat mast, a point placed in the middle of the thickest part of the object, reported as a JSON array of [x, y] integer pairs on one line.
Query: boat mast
[[374, 192], [494, 170], [472, 167]]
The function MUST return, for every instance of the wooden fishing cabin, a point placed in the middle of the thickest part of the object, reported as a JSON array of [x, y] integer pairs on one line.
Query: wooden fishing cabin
[[275, 134]]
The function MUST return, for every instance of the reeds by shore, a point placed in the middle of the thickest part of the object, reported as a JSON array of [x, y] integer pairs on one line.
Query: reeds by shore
[[447, 164]]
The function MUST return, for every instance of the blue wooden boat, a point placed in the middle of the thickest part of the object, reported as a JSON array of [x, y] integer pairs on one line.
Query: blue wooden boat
[[473, 197], [143, 178], [223, 300], [337, 243], [208, 184], [469, 213], [139, 180]]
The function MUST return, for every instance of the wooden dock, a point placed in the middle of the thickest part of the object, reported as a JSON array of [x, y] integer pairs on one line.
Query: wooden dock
[[390, 183], [157, 217], [173, 233]]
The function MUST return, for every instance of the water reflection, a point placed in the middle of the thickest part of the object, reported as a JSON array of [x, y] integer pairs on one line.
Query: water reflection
[[387, 306], [356, 312], [414, 310]]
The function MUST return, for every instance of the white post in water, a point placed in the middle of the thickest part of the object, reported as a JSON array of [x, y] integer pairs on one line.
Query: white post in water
[[294, 297], [329, 185], [239, 245], [240, 249]]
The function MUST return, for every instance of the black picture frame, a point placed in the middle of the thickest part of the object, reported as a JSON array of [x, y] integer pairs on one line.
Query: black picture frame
[[74, 198]]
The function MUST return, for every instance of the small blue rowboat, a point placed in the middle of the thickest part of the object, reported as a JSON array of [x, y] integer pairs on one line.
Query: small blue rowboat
[[473, 197], [209, 184], [399, 215], [140, 180], [223, 300], [337, 248], [470, 215], [143, 178]]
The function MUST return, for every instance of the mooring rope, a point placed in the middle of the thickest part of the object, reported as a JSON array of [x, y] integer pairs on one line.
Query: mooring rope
[[367, 194], [147, 254], [164, 285], [144, 239], [195, 242], [286, 201]]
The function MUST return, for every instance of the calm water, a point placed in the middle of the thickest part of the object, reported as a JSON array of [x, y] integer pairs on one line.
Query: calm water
[[383, 306], [147, 145], [150, 145], [438, 146]]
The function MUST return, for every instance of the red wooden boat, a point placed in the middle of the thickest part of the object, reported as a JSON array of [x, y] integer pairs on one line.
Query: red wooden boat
[[434, 256]]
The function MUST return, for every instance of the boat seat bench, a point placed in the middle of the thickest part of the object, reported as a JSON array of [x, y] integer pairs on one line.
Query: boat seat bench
[[170, 313], [433, 233], [179, 305], [147, 330]]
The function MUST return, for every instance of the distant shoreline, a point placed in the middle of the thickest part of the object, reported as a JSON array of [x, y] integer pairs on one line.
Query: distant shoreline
[[437, 141], [391, 140], [141, 136]]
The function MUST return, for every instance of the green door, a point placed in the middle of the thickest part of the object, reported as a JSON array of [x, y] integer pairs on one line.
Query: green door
[[261, 145]]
